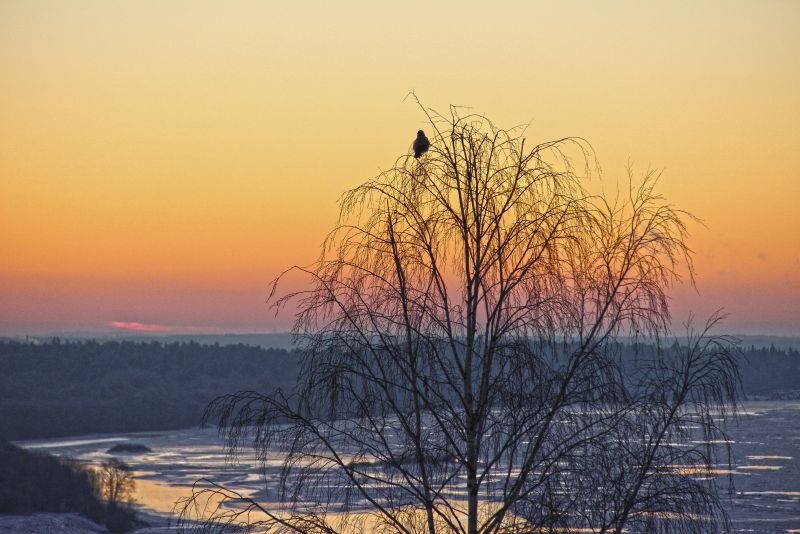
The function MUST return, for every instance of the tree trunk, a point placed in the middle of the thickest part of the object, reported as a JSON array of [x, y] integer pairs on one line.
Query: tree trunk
[[472, 486]]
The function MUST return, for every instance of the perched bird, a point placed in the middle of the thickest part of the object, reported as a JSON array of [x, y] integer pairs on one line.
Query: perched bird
[[421, 144]]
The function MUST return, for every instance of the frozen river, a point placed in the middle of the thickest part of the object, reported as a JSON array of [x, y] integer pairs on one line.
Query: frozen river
[[766, 466]]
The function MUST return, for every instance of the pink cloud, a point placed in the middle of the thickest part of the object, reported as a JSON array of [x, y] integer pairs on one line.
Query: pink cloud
[[140, 327], [135, 326]]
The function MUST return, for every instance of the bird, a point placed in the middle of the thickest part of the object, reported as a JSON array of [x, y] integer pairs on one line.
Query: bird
[[421, 144]]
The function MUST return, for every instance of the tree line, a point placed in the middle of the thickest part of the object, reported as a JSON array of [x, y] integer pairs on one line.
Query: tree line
[[62, 388]]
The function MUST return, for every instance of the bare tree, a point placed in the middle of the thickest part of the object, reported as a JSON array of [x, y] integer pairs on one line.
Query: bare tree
[[115, 483], [467, 364]]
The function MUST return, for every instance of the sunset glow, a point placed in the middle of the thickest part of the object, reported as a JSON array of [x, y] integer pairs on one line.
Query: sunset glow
[[163, 161]]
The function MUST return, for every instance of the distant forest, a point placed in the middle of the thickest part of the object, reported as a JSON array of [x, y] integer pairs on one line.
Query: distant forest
[[62, 388], [81, 387]]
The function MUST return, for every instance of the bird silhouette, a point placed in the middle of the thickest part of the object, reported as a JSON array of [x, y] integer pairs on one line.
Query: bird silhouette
[[421, 144]]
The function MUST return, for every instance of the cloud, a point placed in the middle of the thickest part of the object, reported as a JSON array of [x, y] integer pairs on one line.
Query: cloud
[[140, 327], [136, 326]]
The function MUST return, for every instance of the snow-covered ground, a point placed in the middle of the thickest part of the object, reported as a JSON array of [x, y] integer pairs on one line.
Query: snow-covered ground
[[47, 523], [71, 524]]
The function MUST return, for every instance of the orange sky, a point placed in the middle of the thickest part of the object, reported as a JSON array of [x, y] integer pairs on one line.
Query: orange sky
[[161, 161]]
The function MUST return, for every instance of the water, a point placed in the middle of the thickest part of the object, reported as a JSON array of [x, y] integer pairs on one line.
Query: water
[[765, 470]]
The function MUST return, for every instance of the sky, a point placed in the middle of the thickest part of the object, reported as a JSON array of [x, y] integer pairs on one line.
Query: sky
[[162, 161]]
